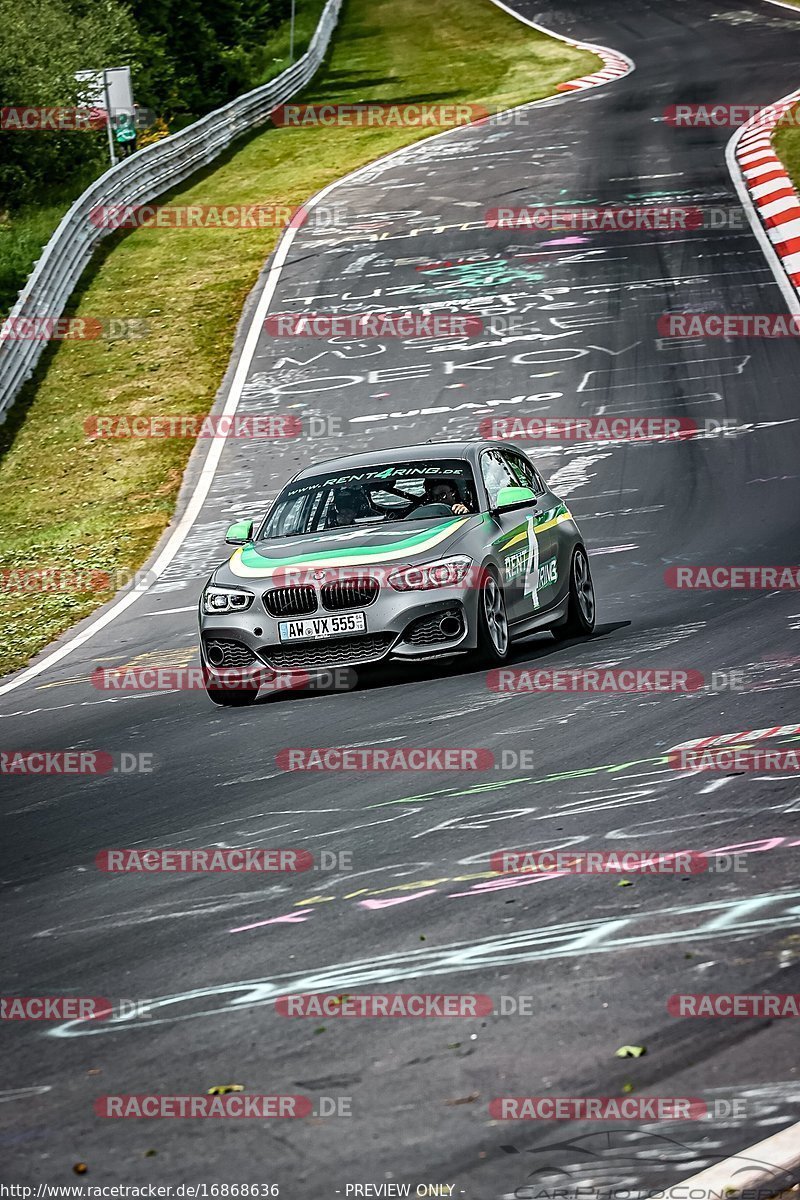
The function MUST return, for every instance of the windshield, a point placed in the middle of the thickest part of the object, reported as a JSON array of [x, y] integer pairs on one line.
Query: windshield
[[369, 496]]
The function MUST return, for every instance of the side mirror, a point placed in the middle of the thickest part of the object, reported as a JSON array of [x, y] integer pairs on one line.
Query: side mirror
[[514, 497], [240, 533]]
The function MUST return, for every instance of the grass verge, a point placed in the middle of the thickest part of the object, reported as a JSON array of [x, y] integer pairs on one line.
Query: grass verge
[[786, 141], [100, 505]]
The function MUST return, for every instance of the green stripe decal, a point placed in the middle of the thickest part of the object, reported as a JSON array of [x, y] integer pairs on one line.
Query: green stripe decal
[[560, 512], [247, 562]]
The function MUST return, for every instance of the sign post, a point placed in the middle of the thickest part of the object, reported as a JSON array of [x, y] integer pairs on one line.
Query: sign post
[[111, 91], [107, 106]]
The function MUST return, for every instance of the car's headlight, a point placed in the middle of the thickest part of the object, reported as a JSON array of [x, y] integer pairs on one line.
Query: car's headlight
[[226, 600], [446, 572]]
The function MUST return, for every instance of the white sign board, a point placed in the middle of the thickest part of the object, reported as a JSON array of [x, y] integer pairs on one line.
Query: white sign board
[[112, 93]]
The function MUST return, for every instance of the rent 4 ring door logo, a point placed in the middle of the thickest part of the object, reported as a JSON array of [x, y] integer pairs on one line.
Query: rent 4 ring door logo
[[516, 564], [524, 561]]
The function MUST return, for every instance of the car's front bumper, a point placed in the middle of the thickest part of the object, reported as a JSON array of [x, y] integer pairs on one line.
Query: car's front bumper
[[399, 626]]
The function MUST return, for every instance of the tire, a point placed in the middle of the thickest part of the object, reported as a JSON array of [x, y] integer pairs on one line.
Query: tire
[[582, 607], [238, 697], [494, 642]]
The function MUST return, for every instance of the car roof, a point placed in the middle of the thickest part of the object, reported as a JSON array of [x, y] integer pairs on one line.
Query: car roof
[[415, 453]]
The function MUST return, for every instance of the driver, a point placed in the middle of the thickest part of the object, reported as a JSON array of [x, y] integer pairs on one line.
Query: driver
[[445, 493], [346, 507]]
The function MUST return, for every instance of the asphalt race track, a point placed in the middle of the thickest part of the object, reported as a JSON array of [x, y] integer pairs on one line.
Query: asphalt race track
[[415, 911]]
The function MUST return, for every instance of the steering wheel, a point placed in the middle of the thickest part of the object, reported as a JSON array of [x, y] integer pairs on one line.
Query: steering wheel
[[434, 509]]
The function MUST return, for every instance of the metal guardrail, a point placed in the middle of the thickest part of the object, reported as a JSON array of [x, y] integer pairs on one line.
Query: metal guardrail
[[137, 180]]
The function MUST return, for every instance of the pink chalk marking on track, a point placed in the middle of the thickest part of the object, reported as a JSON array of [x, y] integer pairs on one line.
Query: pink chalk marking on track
[[288, 919], [567, 241]]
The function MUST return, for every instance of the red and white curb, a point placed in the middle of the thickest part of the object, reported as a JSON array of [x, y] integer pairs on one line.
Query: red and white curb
[[615, 63], [730, 739], [766, 1169], [615, 66], [770, 190]]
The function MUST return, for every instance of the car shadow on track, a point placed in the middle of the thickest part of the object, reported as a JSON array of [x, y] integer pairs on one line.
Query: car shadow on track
[[539, 647]]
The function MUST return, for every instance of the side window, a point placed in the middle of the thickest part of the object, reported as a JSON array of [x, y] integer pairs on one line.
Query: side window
[[496, 474], [525, 472], [292, 515]]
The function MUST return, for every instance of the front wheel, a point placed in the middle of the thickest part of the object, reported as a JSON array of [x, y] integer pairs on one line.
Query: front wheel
[[493, 639], [581, 607]]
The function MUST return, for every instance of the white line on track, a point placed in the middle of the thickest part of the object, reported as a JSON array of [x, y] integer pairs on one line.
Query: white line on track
[[165, 612]]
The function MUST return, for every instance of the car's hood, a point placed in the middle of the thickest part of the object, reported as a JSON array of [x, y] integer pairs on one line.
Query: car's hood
[[353, 547]]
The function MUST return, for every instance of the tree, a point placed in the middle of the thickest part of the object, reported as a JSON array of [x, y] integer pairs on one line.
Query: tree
[[44, 43]]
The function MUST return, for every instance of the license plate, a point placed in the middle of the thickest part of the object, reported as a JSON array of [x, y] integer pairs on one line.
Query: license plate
[[321, 627]]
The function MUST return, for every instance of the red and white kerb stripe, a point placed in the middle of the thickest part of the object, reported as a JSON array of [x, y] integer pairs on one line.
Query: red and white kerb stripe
[[729, 739], [615, 65], [768, 182]]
